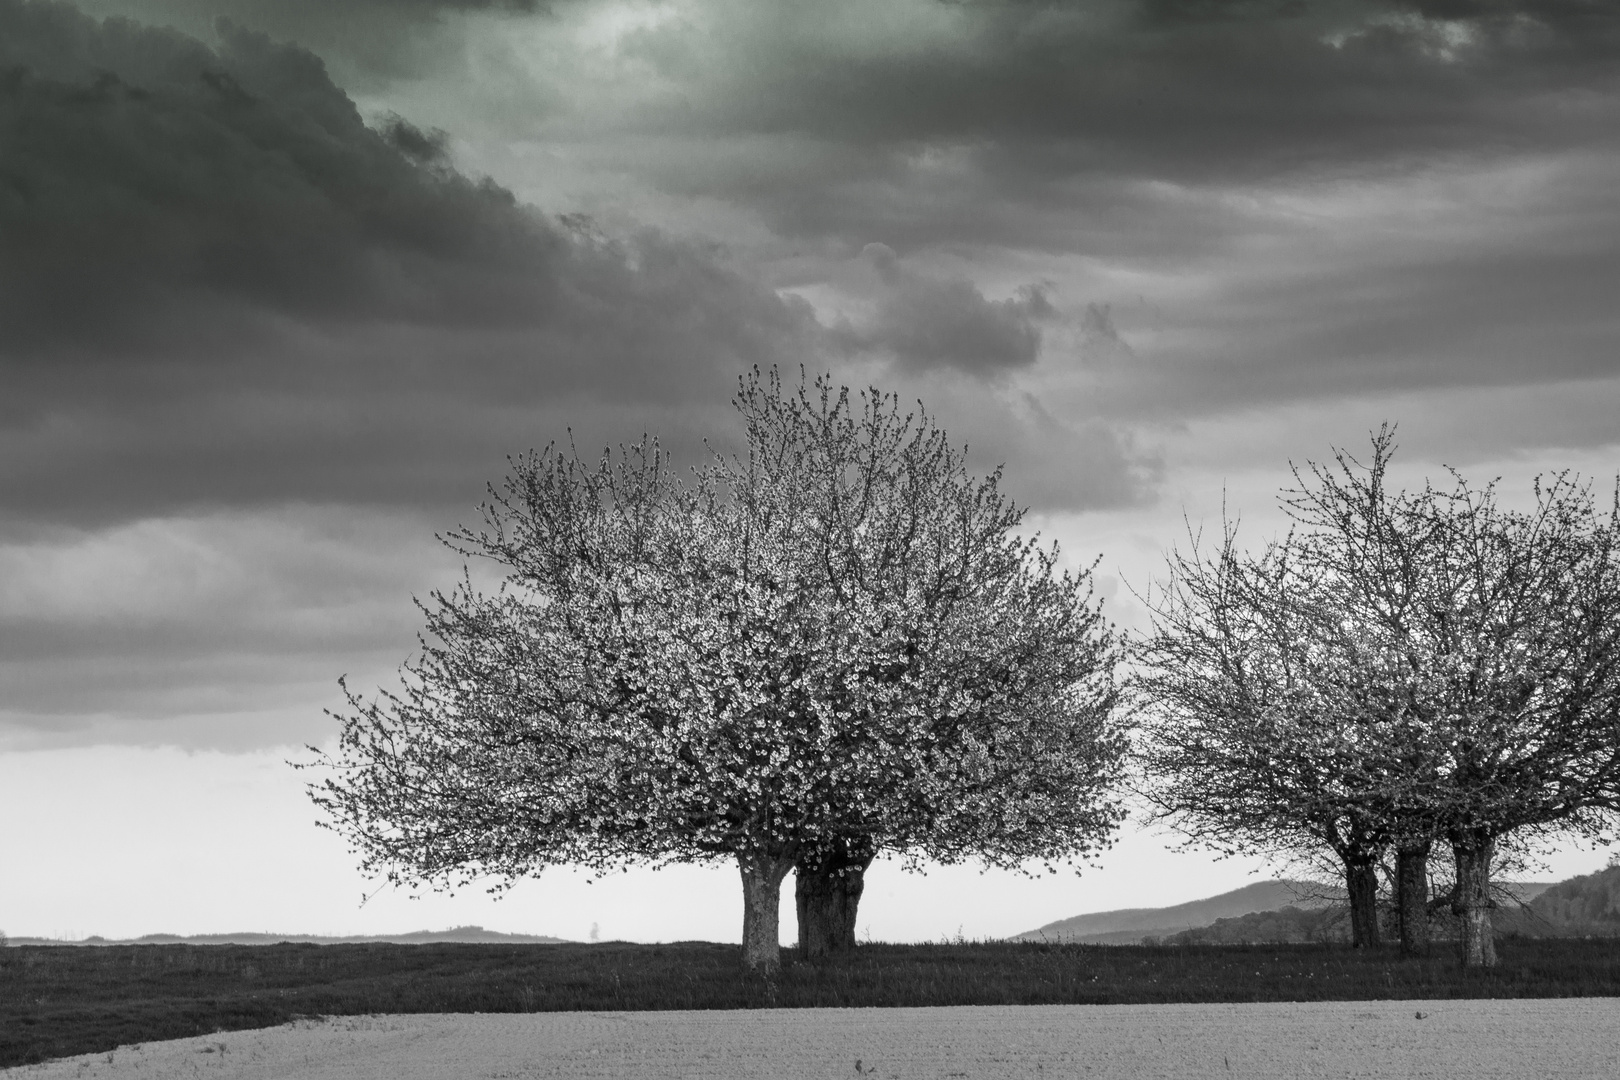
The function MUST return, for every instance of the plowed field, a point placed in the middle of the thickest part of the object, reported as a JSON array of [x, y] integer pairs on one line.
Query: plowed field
[[1538, 1038]]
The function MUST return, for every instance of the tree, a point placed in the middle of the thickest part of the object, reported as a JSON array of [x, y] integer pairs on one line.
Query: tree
[[974, 685], [827, 645], [1497, 634], [1256, 741], [1361, 552], [1413, 665]]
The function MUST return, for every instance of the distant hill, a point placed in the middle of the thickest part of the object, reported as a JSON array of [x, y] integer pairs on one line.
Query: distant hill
[[469, 935], [1128, 926], [1518, 913], [1588, 899], [1297, 911], [1289, 925], [1584, 906]]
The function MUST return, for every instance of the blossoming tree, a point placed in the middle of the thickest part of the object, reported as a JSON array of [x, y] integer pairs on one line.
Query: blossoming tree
[[965, 705], [828, 645]]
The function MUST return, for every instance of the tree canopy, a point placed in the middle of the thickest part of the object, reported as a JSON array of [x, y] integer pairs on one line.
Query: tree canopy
[[831, 639], [1401, 667]]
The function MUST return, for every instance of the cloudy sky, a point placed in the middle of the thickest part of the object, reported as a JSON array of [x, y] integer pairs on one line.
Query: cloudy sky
[[282, 282]]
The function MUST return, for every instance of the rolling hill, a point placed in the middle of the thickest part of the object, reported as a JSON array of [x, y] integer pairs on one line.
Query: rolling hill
[[1526, 909], [1128, 926], [1591, 901], [1295, 911]]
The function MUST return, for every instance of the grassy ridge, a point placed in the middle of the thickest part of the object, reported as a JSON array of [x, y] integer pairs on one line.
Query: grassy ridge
[[57, 1001]]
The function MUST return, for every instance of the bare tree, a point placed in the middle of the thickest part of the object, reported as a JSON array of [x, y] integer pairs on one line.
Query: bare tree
[[1255, 742], [1399, 668]]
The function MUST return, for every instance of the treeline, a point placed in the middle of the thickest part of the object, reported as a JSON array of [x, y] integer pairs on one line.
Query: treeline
[[835, 642]]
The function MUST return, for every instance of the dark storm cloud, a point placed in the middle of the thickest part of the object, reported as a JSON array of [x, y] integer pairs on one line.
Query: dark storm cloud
[[1472, 298], [370, 39], [1247, 159], [149, 177], [255, 351], [227, 292], [924, 321], [219, 285], [1176, 91]]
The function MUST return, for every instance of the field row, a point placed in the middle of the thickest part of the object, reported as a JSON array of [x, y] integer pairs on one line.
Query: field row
[[1559, 1039]]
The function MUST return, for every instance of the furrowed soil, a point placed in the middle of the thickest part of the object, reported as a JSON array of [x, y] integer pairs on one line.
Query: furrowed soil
[[59, 1001], [1549, 1039]]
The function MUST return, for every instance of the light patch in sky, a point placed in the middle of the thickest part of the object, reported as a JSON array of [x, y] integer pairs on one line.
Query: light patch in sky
[[1447, 40], [604, 27], [123, 842]]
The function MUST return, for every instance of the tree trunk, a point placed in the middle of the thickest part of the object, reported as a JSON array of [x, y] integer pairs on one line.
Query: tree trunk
[[1472, 900], [827, 893], [1412, 897], [762, 897], [1361, 882]]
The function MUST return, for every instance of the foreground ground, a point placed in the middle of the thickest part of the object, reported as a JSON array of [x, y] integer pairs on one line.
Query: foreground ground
[[58, 1001], [1547, 1039]]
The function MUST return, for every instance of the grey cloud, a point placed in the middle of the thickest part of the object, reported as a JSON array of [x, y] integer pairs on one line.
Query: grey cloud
[[1072, 127], [372, 41], [1164, 140], [1100, 346], [225, 295], [1514, 299], [1054, 459], [1166, 89], [1170, 140], [925, 321], [218, 284], [1039, 95], [147, 173], [1074, 465], [223, 630]]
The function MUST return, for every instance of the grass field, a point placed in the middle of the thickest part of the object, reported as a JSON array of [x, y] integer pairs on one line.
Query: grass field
[[57, 1000]]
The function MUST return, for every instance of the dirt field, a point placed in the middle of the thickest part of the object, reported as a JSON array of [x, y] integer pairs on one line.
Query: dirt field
[[1475, 1039]]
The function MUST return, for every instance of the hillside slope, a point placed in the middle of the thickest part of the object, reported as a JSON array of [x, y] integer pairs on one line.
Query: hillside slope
[[1591, 900], [1129, 925], [1522, 911]]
